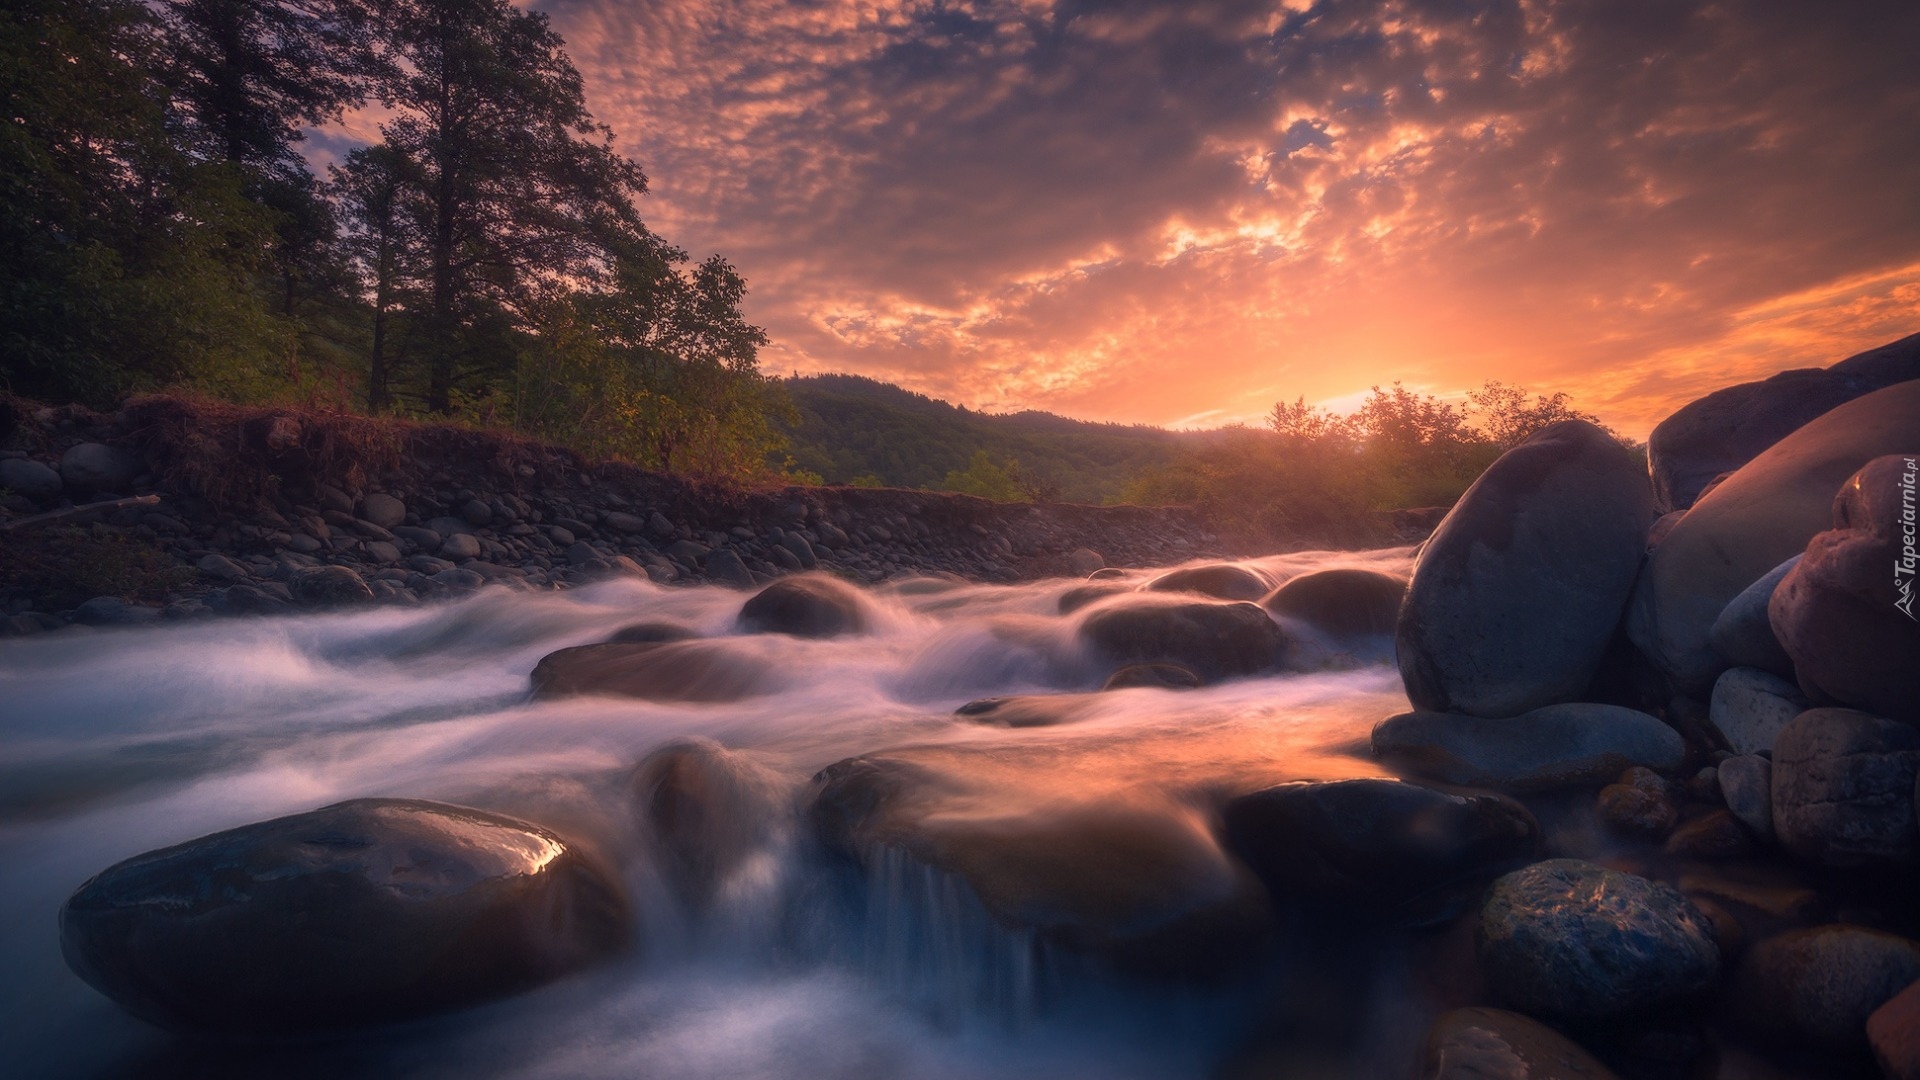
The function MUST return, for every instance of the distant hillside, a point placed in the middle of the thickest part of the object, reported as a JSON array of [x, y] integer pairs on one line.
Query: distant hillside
[[852, 427]]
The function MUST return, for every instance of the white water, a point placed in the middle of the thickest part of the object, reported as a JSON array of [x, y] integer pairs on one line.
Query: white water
[[117, 742]]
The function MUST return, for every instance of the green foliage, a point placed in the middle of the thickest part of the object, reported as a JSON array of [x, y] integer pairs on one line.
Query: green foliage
[[987, 479]]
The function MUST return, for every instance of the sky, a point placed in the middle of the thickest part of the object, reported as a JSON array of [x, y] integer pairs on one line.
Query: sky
[[1180, 213]]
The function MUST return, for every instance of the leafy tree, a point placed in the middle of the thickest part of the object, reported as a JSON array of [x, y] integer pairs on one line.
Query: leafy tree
[[986, 478], [1508, 417]]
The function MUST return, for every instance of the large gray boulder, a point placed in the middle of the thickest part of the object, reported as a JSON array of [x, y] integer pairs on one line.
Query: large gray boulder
[[1223, 581], [1343, 603], [24, 476], [98, 467], [362, 912], [1751, 707], [1569, 939], [1555, 746], [1743, 634], [1843, 788], [1516, 595], [1213, 640], [807, 605]]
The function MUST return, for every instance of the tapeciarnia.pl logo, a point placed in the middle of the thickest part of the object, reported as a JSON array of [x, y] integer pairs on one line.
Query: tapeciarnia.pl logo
[[1903, 567]]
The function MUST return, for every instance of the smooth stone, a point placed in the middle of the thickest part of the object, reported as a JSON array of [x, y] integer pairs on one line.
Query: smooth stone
[[1570, 939], [476, 513], [1341, 603], [32, 479], [724, 567], [1746, 783], [1377, 846], [1636, 810], [1083, 595], [382, 552], [1761, 516], [711, 811], [800, 549], [383, 510], [460, 546], [1029, 710], [1213, 640], [366, 911], [706, 670], [459, 579], [1494, 1044], [1818, 987], [1162, 676], [1517, 594], [623, 522], [652, 633], [1714, 836], [113, 611], [326, 586], [450, 526], [424, 539], [1743, 635], [1893, 1031], [1556, 746], [1222, 581], [580, 553], [221, 568], [1843, 788], [806, 605], [98, 467], [1751, 707], [1084, 561], [1846, 614]]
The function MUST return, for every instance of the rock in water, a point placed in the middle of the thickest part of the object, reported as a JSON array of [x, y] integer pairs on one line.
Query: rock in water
[[1760, 517], [1341, 603], [1843, 788], [1846, 613], [1569, 939], [362, 912], [1750, 708], [1818, 986], [1223, 581], [1553, 747], [1516, 595], [1743, 635], [1213, 640], [708, 670], [1494, 1044], [329, 586], [806, 605], [710, 809]]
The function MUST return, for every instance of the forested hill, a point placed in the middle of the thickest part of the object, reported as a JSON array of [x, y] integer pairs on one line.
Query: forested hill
[[854, 429]]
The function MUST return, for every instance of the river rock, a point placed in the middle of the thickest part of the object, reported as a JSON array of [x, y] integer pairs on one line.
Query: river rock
[[450, 526], [1570, 939], [1846, 613], [1712, 837], [1222, 581], [1341, 603], [1494, 1044], [707, 670], [1084, 561], [1517, 594], [1746, 783], [460, 546], [1213, 640], [1082, 595], [221, 568], [328, 586], [1636, 810], [1761, 516], [366, 911], [32, 479], [1843, 788], [383, 510], [653, 633], [1377, 845], [710, 810], [1894, 1033], [802, 551], [1743, 634], [98, 467], [1029, 710], [1818, 986], [1751, 707], [724, 567], [807, 605], [1551, 747], [1163, 676]]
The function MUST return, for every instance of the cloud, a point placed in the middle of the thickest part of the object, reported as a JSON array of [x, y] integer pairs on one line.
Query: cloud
[[1159, 211]]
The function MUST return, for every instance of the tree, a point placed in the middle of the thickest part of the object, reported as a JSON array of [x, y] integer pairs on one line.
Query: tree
[[370, 190], [1508, 417]]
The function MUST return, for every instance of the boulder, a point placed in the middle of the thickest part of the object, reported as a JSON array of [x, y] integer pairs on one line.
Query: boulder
[[1341, 603], [1082, 595], [1494, 1044], [1636, 810], [1746, 783], [1222, 581], [724, 567], [1843, 788], [709, 811], [1818, 987], [91, 467], [1570, 939], [1743, 634], [1028, 710], [1380, 846], [30, 478], [1713, 836], [1084, 561], [328, 586], [1552, 747], [652, 633], [362, 912], [1164, 676], [1761, 516], [1846, 613], [223, 568], [1213, 640], [806, 605], [706, 671], [1517, 594], [460, 546], [1750, 708], [383, 510], [1893, 1031]]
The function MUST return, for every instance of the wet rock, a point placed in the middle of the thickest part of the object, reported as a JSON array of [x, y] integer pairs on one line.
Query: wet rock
[[30, 478], [1817, 987], [221, 568], [623, 522], [1893, 1031], [476, 513], [1341, 603], [724, 567], [1082, 595], [1761, 516], [362, 912], [1164, 676], [1636, 810], [460, 546], [449, 526], [1213, 640], [329, 586], [382, 552], [383, 510], [1846, 613], [1517, 594], [1222, 581], [802, 551], [1750, 708], [98, 467], [1714, 836], [704, 670], [1746, 783], [1552, 747], [1494, 1044], [1570, 939], [1744, 636], [1843, 788], [652, 633], [424, 539], [710, 809], [1029, 710], [1084, 561], [806, 605], [1381, 846]]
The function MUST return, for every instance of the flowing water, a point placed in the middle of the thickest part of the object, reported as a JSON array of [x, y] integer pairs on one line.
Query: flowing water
[[117, 742]]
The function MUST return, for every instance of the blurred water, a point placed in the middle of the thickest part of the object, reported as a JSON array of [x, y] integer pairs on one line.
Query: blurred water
[[117, 742]]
